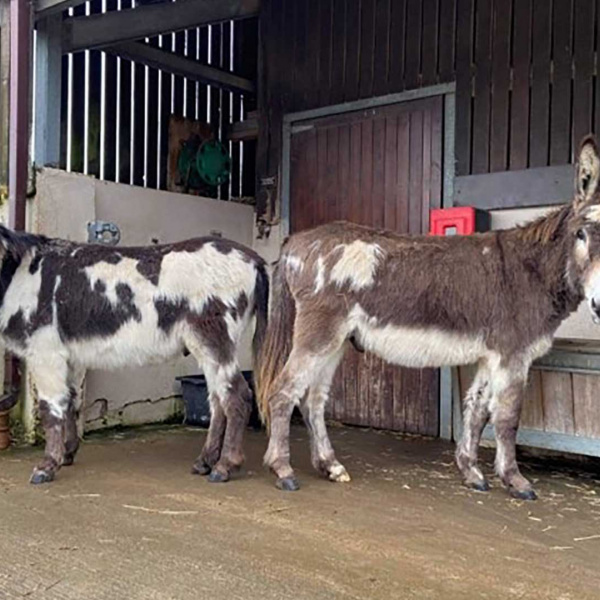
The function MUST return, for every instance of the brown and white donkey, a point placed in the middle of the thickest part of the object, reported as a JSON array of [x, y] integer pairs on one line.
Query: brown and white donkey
[[495, 299]]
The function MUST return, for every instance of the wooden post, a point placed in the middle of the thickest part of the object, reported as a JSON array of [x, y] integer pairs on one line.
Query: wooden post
[[48, 70]]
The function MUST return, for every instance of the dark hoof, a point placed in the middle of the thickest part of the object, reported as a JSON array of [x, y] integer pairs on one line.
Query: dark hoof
[[68, 460], [287, 484], [480, 486], [218, 477], [523, 495], [200, 469], [41, 477]]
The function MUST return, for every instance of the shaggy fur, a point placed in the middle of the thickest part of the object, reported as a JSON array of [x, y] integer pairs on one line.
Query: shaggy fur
[[495, 299], [67, 307]]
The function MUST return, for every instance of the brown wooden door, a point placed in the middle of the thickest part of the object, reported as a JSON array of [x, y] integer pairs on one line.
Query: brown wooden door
[[379, 167]]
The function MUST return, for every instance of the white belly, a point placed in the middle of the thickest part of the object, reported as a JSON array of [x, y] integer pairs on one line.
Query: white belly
[[421, 347]]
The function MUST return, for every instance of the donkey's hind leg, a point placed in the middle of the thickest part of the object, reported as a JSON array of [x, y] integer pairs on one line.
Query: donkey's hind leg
[[506, 412], [211, 451], [313, 411], [475, 416], [236, 402]]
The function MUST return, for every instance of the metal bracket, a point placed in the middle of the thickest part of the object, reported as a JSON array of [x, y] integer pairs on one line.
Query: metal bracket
[[103, 232]]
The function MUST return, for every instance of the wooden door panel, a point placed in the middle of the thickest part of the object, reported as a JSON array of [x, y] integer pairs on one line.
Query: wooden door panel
[[381, 168]]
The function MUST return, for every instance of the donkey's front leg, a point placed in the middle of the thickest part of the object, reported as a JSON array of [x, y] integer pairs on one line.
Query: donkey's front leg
[[74, 418], [506, 411], [211, 452]]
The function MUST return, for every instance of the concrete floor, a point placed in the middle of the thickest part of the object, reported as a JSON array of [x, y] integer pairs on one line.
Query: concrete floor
[[129, 522]]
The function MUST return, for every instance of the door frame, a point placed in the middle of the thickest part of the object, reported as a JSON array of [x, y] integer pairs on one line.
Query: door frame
[[291, 125]]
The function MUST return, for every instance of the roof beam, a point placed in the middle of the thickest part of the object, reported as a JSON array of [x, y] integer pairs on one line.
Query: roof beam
[[43, 8], [115, 27], [179, 65]]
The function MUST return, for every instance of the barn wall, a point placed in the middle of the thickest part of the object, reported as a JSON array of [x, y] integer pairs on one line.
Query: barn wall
[[64, 203], [526, 82]]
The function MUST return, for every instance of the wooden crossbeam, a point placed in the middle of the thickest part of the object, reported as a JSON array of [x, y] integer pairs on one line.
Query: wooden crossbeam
[[43, 8], [179, 65], [116, 27]]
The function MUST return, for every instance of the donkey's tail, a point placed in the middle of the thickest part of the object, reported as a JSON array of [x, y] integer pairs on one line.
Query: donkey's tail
[[278, 341], [261, 310]]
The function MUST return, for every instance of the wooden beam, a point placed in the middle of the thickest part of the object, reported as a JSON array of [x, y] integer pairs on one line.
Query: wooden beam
[[44, 8], [179, 65], [109, 29], [542, 186], [243, 131], [48, 66]]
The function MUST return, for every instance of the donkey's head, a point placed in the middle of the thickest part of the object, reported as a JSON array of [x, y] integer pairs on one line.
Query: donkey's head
[[584, 226]]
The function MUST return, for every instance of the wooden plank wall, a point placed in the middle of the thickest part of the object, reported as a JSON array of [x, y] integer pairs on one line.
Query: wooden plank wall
[[556, 402], [527, 87]]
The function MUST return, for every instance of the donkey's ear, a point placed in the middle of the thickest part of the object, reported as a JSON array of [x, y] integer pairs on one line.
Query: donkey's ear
[[587, 173]]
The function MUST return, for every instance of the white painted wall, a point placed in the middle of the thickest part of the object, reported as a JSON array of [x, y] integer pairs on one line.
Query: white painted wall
[[63, 205], [579, 326]]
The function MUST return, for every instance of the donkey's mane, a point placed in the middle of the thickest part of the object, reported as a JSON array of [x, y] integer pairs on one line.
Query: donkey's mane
[[545, 229]]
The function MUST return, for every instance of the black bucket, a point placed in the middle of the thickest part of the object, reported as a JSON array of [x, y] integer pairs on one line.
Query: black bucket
[[196, 405]]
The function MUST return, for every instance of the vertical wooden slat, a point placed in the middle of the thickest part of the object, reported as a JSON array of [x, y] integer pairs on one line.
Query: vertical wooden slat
[[366, 168], [540, 86], [532, 415], [481, 103], [412, 61], [426, 176], [332, 175], [430, 41], [391, 172], [110, 99], [562, 56], [352, 64], [428, 401], [416, 172], [165, 114], [586, 391], [178, 81], [447, 40], [519, 114], [215, 93], [225, 95], [382, 47], [78, 100], [190, 97], [377, 198], [325, 51], [152, 119], [403, 192], [338, 59], [397, 45], [367, 47], [584, 69], [557, 392], [464, 57], [125, 125], [321, 199], [500, 85]]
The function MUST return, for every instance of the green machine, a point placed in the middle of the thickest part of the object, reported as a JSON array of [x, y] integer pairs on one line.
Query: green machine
[[203, 163]]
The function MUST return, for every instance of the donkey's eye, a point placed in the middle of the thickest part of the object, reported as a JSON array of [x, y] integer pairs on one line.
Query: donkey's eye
[[581, 235]]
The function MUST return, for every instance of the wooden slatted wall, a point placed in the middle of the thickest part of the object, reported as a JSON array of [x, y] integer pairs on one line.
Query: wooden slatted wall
[[527, 84], [137, 102]]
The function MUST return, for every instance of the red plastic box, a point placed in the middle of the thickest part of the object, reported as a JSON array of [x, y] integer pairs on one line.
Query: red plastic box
[[458, 220]]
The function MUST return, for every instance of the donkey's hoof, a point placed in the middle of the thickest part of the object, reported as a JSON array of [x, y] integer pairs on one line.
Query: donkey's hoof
[[200, 468], [39, 476], [68, 460], [218, 476], [339, 474], [287, 484], [479, 486], [523, 494]]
